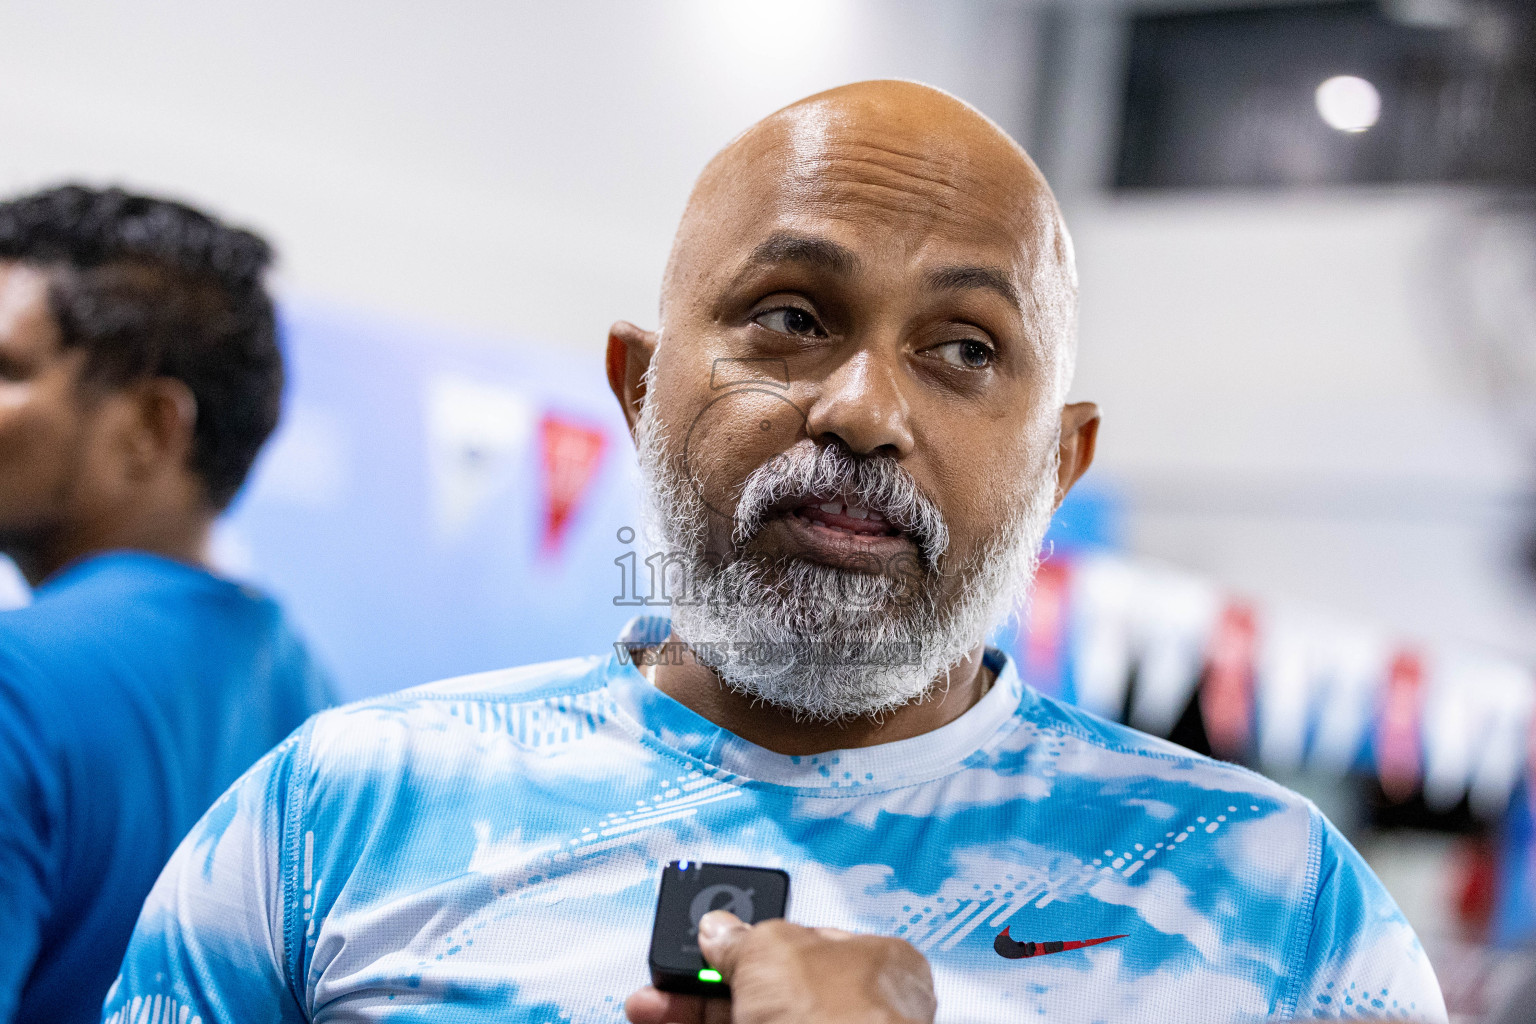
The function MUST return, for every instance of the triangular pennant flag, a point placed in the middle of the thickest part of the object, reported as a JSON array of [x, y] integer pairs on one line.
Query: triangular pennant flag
[[1351, 665], [1226, 699], [1284, 680], [1046, 627], [1175, 616], [1103, 591], [1502, 751], [572, 452], [476, 438], [1476, 715], [1456, 723], [1398, 745]]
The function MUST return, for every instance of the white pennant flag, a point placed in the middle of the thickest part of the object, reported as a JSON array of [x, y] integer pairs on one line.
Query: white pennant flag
[[1174, 614], [477, 434], [1351, 669], [1104, 592]]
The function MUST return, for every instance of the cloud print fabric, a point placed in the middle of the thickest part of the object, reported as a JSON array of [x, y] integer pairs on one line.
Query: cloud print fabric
[[489, 849]]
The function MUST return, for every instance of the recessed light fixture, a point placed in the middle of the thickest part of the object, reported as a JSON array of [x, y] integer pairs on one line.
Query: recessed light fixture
[[1348, 103]]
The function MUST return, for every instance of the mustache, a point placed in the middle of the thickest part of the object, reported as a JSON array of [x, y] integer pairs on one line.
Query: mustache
[[832, 472]]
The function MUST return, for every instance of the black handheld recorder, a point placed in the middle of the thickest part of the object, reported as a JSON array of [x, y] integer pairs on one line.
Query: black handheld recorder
[[689, 890]]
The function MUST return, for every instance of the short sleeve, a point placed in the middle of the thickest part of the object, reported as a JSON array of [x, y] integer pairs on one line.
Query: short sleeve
[[211, 942], [31, 812], [1362, 957]]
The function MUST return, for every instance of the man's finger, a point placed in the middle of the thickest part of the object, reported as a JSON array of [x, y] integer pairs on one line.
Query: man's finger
[[720, 935], [652, 1006]]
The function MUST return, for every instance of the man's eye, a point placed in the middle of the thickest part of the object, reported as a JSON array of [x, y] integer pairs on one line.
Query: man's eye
[[791, 320], [968, 354]]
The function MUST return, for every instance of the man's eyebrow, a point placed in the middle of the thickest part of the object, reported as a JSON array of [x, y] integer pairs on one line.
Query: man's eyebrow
[[820, 253], [954, 278]]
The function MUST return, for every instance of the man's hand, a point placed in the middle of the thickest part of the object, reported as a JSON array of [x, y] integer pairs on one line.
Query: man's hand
[[782, 973]]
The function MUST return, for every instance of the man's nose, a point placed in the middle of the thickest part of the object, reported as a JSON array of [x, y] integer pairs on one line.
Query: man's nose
[[861, 404]]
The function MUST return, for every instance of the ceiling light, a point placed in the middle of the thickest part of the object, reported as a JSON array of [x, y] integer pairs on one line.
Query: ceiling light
[[1348, 103]]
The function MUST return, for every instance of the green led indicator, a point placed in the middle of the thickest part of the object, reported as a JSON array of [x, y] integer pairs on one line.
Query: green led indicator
[[709, 974]]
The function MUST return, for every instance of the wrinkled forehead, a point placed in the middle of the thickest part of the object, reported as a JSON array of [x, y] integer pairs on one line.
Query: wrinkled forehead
[[904, 195], [910, 183]]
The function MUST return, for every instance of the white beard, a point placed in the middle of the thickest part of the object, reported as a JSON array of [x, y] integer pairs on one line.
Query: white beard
[[826, 643]]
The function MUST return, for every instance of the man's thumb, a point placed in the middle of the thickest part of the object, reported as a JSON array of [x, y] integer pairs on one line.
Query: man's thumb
[[720, 935]]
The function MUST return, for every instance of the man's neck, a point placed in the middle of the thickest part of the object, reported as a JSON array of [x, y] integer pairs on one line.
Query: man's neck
[[185, 541], [695, 685]]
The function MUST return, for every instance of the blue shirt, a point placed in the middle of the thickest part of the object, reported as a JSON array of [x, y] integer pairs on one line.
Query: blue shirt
[[489, 848], [133, 691]]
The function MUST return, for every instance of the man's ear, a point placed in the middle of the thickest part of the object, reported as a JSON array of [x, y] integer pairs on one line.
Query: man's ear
[[630, 349], [157, 430], [1079, 437]]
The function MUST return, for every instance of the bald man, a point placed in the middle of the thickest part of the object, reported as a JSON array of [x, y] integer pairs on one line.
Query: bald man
[[852, 429]]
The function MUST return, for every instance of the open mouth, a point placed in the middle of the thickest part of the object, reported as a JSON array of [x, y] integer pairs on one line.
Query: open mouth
[[846, 517], [839, 532]]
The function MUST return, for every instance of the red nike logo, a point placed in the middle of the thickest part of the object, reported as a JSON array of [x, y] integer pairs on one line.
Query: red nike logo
[[1012, 949]]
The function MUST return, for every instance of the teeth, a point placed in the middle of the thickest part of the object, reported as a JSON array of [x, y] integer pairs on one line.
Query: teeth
[[831, 507], [854, 512]]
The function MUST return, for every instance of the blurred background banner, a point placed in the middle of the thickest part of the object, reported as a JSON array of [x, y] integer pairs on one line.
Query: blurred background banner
[[434, 505], [1306, 236]]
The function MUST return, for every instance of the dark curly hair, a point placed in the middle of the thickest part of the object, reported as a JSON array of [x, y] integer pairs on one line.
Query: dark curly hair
[[154, 288]]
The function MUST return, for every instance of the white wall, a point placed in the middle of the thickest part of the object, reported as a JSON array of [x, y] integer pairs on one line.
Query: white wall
[[1291, 403], [516, 168], [1279, 409], [1283, 409]]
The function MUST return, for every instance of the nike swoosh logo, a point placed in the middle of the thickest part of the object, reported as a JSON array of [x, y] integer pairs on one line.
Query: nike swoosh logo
[[1012, 949]]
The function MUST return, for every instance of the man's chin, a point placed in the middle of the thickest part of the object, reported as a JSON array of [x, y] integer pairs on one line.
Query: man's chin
[[828, 691], [822, 601]]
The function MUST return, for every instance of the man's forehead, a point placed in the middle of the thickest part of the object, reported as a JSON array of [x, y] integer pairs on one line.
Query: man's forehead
[[879, 188], [921, 155], [23, 300], [852, 247]]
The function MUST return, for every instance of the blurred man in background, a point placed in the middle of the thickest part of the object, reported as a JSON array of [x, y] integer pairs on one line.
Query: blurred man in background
[[139, 376], [853, 428]]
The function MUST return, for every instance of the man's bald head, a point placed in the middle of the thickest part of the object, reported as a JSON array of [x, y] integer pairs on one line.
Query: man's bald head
[[897, 147], [851, 423]]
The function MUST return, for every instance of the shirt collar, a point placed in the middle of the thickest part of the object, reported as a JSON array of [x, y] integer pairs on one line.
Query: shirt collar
[[884, 766]]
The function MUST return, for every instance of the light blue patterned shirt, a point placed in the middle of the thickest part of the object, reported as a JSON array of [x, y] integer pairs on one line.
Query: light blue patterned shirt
[[489, 848]]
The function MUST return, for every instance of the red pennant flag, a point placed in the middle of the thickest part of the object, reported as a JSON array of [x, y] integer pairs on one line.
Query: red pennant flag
[[1047, 626], [1226, 699], [1399, 739], [572, 452]]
